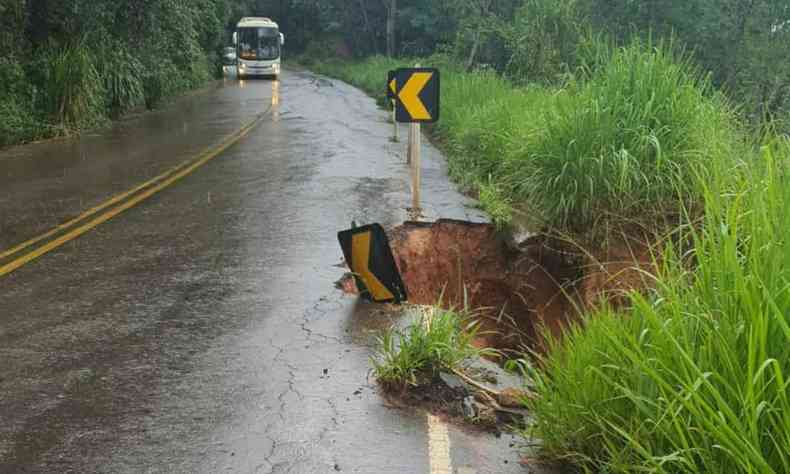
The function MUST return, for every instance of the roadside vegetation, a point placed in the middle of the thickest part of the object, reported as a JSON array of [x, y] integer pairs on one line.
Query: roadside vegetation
[[616, 147], [72, 65], [694, 376], [593, 118], [600, 131]]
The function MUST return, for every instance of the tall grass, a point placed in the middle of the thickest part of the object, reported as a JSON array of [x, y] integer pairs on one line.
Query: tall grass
[[73, 90], [695, 377], [617, 145]]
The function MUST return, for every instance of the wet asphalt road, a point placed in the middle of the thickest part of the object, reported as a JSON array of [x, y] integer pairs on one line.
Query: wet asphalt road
[[200, 331]]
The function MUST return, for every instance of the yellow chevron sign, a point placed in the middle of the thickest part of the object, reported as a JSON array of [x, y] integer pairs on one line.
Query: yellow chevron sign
[[360, 265], [417, 92], [368, 255]]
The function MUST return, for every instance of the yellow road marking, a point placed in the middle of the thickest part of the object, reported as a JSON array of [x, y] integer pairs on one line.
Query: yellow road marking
[[77, 232], [439, 446], [410, 95], [360, 259], [88, 213]]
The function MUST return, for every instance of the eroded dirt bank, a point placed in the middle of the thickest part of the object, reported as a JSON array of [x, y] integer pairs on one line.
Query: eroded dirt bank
[[518, 288]]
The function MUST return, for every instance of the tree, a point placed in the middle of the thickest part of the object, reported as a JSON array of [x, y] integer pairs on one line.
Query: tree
[[392, 13]]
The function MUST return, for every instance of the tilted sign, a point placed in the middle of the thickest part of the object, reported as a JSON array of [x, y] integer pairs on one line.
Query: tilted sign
[[368, 255], [416, 92]]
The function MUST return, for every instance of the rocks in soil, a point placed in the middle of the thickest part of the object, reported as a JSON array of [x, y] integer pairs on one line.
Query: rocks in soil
[[469, 407], [452, 381], [513, 397]]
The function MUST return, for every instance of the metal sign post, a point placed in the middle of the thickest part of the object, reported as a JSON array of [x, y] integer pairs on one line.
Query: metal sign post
[[415, 139], [392, 90], [395, 136]]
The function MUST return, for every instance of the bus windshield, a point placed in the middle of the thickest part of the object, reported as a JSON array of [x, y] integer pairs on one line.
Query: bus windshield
[[259, 44]]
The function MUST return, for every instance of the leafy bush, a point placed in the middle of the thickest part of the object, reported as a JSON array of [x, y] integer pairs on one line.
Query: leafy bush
[[438, 339], [18, 122], [85, 61], [122, 74], [695, 377]]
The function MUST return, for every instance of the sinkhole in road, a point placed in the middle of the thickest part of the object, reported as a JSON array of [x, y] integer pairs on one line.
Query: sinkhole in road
[[516, 289]]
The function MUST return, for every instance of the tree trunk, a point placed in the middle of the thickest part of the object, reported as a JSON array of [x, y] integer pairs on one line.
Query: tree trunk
[[473, 54], [371, 38], [391, 15]]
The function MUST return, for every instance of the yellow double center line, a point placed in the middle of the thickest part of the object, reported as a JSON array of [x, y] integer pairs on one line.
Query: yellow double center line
[[105, 211]]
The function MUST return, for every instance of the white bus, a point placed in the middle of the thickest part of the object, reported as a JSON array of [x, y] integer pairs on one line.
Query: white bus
[[258, 47]]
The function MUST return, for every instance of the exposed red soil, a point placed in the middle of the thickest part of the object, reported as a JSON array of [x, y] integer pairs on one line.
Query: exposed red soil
[[517, 291], [611, 273], [471, 265], [541, 283]]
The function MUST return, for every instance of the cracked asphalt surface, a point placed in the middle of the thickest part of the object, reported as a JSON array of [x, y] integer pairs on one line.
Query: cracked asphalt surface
[[200, 331]]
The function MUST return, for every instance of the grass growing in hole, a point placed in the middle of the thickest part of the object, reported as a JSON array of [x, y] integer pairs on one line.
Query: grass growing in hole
[[439, 339], [696, 376]]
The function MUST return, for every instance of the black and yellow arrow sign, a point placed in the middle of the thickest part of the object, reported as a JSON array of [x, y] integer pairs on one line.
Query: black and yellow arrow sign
[[417, 93], [368, 254]]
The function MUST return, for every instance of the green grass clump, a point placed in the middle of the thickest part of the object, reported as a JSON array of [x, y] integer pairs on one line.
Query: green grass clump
[[695, 377], [438, 339], [18, 120], [625, 144]]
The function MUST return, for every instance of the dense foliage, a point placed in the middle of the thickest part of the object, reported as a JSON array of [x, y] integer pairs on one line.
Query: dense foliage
[[70, 64], [133, 52], [743, 44]]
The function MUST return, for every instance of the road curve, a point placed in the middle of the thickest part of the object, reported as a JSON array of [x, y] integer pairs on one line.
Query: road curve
[[199, 330]]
